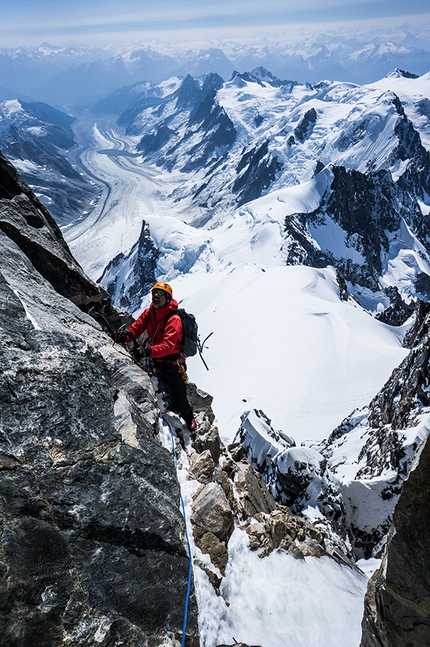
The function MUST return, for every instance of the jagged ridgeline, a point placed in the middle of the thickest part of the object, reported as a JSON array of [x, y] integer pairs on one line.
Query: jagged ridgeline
[[92, 538], [362, 150]]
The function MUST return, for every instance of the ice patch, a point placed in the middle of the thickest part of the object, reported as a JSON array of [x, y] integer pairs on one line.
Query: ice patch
[[27, 312]]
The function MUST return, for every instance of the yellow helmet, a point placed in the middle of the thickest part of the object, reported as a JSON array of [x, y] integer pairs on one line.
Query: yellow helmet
[[163, 286]]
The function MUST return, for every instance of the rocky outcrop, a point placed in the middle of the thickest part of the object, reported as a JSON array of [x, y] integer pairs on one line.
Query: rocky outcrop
[[141, 262], [295, 479], [397, 604], [306, 125], [362, 204], [213, 523], [92, 539], [256, 170], [376, 446], [397, 408], [372, 211], [232, 494], [399, 311]]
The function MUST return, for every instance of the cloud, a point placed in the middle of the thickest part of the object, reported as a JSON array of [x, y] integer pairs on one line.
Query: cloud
[[37, 20]]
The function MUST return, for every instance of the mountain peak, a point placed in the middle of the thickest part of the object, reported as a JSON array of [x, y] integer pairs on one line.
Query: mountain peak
[[399, 74]]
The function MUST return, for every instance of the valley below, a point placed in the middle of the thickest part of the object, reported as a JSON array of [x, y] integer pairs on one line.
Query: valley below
[[131, 191]]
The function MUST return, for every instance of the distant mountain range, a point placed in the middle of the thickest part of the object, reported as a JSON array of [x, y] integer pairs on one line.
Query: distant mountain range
[[76, 77], [360, 155], [365, 147]]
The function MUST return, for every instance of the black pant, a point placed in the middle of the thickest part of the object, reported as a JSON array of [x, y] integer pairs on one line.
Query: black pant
[[171, 382]]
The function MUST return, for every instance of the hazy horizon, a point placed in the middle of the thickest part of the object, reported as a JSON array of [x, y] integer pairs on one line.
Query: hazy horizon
[[96, 23]]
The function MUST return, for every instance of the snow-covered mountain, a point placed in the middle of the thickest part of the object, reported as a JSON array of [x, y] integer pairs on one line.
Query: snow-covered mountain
[[373, 59], [342, 169], [38, 139], [292, 219]]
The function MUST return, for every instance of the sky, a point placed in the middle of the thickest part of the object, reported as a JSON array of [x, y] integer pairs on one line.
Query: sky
[[60, 22]]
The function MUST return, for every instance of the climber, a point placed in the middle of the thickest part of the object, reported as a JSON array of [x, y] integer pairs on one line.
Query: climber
[[163, 345]]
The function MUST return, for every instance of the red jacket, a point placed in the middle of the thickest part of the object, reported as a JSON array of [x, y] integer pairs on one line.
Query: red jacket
[[164, 338]]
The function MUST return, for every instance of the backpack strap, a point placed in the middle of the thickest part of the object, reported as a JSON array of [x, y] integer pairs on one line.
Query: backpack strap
[[167, 317], [174, 356]]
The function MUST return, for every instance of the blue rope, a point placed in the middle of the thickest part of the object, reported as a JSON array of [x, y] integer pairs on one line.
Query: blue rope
[[190, 558]]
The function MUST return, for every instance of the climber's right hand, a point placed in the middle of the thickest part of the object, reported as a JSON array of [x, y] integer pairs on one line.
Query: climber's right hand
[[123, 337]]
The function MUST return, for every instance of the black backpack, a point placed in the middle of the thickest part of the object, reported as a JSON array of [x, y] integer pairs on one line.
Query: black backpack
[[190, 339]]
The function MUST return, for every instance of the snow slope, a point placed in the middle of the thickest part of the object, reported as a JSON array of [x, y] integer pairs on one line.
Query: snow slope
[[308, 603], [283, 342]]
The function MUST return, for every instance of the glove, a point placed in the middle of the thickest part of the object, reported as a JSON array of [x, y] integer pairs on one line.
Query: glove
[[139, 352], [123, 337]]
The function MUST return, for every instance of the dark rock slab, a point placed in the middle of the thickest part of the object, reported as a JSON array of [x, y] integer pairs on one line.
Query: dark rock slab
[[92, 540], [397, 604]]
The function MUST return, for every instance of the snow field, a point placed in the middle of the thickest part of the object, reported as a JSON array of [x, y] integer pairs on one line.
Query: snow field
[[279, 601], [283, 342]]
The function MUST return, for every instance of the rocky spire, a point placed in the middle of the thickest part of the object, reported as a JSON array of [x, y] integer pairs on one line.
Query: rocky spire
[[397, 604]]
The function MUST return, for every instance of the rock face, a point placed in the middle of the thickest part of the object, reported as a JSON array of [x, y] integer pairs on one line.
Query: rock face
[[27, 223], [231, 494], [397, 604], [373, 449], [371, 210], [92, 540], [296, 480]]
